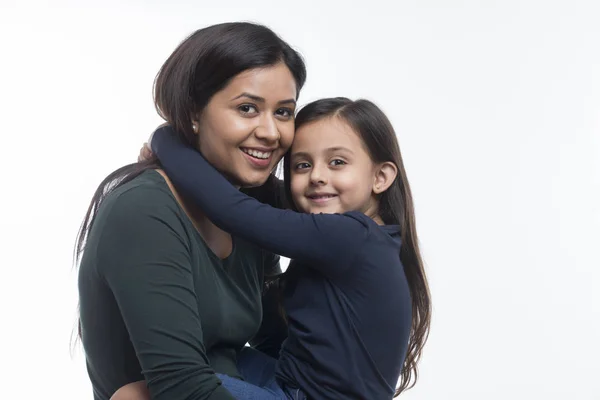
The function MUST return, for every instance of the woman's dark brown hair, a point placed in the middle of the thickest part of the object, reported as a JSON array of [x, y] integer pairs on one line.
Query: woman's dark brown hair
[[203, 64], [395, 207]]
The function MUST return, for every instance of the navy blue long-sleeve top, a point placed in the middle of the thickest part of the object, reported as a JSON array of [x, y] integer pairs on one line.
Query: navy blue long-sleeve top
[[348, 304]]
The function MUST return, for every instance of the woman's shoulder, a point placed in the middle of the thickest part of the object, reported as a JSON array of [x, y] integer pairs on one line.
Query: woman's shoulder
[[146, 196], [135, 214], [149, 181]]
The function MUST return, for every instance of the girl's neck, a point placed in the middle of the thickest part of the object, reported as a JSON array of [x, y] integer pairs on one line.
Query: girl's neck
[[372, 211], [377, 220]]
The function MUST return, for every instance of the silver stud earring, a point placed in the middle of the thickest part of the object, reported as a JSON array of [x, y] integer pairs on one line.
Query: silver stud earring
[[195, 128]]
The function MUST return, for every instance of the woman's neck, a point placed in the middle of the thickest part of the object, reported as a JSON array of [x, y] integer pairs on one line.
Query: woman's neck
[[216, 239]]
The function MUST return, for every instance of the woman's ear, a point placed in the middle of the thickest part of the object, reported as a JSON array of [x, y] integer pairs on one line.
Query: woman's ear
[[385, 175], [196, 122]]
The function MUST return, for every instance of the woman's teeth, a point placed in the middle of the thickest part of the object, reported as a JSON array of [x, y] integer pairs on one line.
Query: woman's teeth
[[258, 154]]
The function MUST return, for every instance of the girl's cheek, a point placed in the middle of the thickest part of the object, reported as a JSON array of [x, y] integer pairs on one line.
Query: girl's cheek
[[297, 187]]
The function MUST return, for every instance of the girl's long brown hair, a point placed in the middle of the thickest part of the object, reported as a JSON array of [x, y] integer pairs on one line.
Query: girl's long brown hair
[[395, 207]]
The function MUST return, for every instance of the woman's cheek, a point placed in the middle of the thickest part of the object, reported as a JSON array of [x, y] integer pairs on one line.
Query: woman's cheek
[[287, 137]]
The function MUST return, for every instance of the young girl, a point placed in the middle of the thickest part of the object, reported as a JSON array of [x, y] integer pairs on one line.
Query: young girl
[[355, 295]]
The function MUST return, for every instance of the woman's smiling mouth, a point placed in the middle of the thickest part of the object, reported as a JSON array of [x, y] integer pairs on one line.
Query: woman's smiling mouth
[[258, 157]]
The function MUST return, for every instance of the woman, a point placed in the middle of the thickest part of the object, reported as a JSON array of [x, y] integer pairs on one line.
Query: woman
[[165, 295]]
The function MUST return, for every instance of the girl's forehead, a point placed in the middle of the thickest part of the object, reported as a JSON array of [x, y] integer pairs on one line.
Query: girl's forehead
[[323, 134]]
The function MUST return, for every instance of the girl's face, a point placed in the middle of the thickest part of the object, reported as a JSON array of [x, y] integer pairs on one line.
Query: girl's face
[[330, 169], [248, 126]]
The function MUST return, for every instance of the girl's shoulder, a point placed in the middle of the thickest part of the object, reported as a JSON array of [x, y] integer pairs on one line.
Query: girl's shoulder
[[374, 229]]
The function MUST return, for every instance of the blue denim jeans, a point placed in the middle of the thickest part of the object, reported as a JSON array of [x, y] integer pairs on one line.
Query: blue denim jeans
[[258, 371]]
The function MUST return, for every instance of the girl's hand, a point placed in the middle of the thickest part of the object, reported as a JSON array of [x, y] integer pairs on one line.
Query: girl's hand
[[146, 150], [145, 153]]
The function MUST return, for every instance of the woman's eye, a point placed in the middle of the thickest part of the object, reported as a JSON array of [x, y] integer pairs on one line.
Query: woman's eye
[[285, 112], [247, 109], [337, 162]]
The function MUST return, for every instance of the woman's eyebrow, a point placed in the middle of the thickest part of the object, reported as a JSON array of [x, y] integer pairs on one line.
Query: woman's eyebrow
[[262, 99]]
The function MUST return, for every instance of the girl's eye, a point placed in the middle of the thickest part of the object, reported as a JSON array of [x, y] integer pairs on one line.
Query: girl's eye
[[247, 109], [302, 165], [337, 162], [285, 112]]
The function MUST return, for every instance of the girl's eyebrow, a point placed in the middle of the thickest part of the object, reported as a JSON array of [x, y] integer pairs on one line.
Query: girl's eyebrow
[[339, 148], [300, 155], [329, 150]]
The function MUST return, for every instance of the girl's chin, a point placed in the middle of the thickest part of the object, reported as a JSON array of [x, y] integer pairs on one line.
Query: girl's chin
[[323, 210]]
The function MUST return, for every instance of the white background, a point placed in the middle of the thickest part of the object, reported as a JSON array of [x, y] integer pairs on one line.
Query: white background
[[497, 108]]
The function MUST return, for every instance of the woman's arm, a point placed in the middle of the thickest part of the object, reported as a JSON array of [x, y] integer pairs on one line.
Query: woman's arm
[[143, 255], [132, 391], [328, 239]]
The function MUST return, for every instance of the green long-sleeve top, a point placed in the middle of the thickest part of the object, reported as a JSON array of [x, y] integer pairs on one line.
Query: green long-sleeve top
[[157, 304]]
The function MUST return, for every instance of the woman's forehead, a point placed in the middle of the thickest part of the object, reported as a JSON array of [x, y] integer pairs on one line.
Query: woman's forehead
[[274, 83]]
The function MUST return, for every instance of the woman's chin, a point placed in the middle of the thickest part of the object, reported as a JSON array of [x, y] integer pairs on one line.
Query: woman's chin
[[253, 181]]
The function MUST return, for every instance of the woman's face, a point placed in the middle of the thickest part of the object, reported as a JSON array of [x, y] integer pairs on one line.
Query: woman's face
[[247, 127]]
